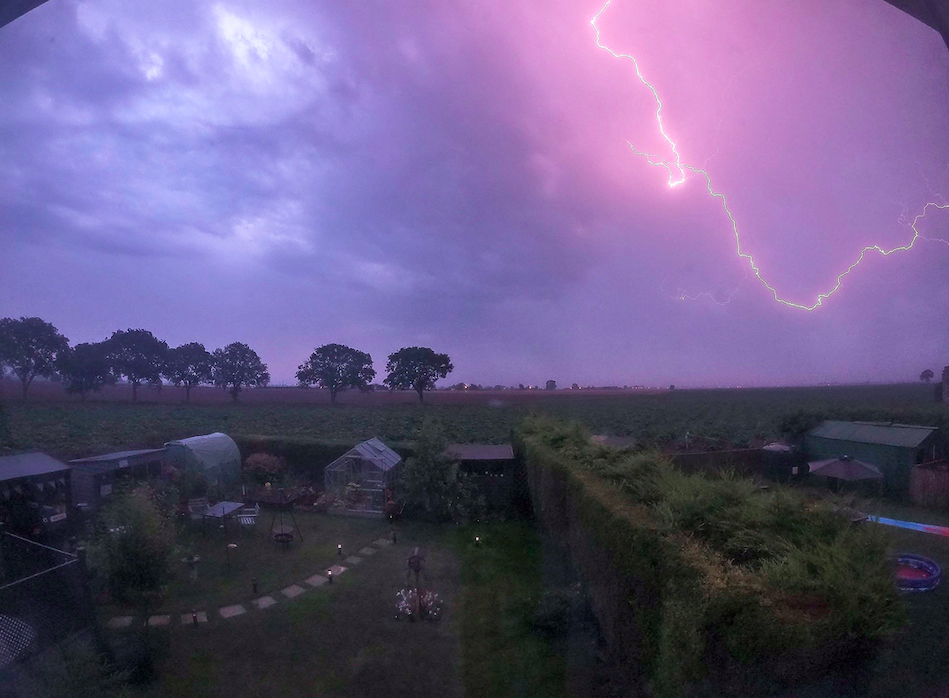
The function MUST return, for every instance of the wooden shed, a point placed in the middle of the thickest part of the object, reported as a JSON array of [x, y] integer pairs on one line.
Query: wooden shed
[[94, 478], [34, 494], [495, 471], [893, 448]]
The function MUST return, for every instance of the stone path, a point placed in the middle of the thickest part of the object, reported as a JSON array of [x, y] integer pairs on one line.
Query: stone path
[[291, 592]]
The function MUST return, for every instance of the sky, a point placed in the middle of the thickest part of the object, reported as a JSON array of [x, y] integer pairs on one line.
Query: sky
[[465, 176]]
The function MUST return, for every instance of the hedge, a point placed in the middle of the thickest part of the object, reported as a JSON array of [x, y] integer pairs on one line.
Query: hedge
[[306, 457], [706, 585]]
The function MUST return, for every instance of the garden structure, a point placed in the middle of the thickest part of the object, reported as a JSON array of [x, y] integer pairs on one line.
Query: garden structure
[[34, 495], [357, 481], [94, 478], [215, 456], [893, 448]]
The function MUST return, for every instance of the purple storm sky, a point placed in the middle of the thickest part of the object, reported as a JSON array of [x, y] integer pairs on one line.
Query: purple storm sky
[[457, 175]]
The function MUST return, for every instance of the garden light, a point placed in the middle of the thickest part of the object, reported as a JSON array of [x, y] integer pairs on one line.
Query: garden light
[[194, 618], [478, 540], [329, 576], [339, 549], [254, 582]]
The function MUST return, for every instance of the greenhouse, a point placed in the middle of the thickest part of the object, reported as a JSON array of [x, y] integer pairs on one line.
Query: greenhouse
[[216, 456], [357, 481]]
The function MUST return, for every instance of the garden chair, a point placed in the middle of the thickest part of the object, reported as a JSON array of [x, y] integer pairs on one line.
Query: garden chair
[[247, 517]]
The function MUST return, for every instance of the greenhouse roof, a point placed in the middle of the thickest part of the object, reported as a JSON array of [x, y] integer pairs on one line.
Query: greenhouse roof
[[376, 451]]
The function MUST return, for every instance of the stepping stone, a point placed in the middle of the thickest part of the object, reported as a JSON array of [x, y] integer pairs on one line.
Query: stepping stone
[[316, 580], [186, 618], [338, 570], [120, 622], [353, 560], [231, 611], [381, 542], [159, 620], [367, 551], [264, 602], [293, 591]]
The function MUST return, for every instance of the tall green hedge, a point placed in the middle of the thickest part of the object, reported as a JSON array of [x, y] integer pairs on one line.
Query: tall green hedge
[[708, 585], [306, 457]]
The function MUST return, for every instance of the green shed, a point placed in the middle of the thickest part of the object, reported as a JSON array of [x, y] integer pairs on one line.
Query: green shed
[[893, 448]]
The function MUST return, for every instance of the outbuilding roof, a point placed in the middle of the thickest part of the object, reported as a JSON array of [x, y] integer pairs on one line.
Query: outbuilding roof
[[118, 455], [29, 465], [481, 451], [884, 433]]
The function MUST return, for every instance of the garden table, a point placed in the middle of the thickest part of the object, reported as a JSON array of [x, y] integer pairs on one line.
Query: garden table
[[221, 510]]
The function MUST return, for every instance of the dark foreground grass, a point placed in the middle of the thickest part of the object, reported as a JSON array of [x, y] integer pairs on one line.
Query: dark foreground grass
[[343, 640], [225, 576]]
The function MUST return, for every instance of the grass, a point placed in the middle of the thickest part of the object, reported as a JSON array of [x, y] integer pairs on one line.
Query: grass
[[713, 418], [343, 640], [221, 583]]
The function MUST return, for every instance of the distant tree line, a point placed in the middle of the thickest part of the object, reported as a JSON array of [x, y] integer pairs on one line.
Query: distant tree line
[[31, 347]]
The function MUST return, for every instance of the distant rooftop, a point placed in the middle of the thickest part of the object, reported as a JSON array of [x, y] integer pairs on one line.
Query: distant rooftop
[[481, 451], [885, 433], [118, 455], [29, 465]]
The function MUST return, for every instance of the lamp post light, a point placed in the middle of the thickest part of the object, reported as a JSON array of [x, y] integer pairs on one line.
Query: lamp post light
[[477, 541], [229, 547], [339, 549], [254, 582], [329, 576], [194, 618]]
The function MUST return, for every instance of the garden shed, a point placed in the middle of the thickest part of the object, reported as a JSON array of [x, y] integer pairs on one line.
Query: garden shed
[[34, 494], [94, 478], [359, 478], [893, 448], [215, 455]]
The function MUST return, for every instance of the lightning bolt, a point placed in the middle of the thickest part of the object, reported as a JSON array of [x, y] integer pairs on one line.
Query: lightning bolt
[[677, 171]]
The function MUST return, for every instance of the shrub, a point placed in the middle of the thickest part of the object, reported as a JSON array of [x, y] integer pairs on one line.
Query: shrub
[[708, 581], [263, 467]]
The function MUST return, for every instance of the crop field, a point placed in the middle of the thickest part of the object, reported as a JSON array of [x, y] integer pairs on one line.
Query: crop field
[[672, 420]]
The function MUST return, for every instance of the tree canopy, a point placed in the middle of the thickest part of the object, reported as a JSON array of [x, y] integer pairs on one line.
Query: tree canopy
[[86, 368], [416, 368], [237, 366], [139, 356], [433, 486], [189, 365], [335, 367], [926, 375], [30, 346]]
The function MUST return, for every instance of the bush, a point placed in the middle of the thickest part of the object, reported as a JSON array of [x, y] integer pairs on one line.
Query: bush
[[263, 467], [709, 581], [432, 485]]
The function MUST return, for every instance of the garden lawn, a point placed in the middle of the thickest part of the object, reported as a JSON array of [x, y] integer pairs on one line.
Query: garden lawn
[[343, 640], [256, 555]]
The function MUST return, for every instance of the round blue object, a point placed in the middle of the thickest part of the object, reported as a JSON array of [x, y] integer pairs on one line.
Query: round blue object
[[921, 573]]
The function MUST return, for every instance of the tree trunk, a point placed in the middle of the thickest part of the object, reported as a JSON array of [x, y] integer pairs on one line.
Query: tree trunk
[[333, 392], [134, 391], [421, 395], [26, 384], [187, 393], [82, 395], [234, 392]]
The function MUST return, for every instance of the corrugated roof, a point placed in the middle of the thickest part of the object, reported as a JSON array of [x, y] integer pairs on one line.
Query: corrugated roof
[[118, 455], [29, 465], [376, 451], [884, 433], [481, 451]]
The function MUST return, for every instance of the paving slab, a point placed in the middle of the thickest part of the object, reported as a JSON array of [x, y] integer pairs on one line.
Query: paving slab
[[316, 580], [353, 560], [293, 591], [187, 620], [119, 622], [382, 542], [231, 611], [338, 570], [159, 620], [264, 602], [367, 551]]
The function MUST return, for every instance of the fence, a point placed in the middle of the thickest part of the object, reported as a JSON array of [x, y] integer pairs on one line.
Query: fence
[[43, 597], [929, 485]]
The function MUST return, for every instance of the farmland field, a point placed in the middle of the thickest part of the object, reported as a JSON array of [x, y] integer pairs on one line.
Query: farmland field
[[697, 419]]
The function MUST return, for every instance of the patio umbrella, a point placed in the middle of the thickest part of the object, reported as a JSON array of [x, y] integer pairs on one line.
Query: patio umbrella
[[845, 468]]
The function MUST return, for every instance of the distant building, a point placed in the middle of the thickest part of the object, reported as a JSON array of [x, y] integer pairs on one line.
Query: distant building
[[893, 448]]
